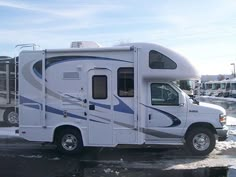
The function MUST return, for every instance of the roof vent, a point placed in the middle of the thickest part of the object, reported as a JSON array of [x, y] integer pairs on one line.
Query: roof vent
[[84, 44]]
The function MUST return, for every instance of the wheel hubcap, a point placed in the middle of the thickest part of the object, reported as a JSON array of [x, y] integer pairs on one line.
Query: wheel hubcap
[[13, 117], [201, 141], [69, 142]]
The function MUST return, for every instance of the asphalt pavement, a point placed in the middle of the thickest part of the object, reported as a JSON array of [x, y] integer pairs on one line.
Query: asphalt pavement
[[21, 158]]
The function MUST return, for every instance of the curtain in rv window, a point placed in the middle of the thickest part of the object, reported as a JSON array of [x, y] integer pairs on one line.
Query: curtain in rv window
[[99, 84], [125, 82]]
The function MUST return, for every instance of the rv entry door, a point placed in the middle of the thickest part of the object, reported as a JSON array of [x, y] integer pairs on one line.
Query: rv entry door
[[99, 107]]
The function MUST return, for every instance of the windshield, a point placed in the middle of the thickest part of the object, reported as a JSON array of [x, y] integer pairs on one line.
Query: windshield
[[191, 98], [177, 87]]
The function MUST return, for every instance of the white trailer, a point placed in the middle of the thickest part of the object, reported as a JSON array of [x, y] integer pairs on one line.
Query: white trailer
[[8, 90], [105, 97], [232, 89]]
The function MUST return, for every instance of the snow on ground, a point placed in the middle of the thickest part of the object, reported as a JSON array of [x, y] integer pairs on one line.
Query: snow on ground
[[201, 163], [231, 140], [231, 121], [226, 99]]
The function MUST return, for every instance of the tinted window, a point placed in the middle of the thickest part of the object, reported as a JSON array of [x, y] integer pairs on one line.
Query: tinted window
[[163, 94], [125, 82], [233, 86], [99, 87], [3, 82], [160, 61]]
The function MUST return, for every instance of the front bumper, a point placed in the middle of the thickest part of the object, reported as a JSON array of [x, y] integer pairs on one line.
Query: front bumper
[[222, 133]]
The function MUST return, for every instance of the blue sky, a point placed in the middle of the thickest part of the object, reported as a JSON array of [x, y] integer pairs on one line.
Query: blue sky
[[203, 30]]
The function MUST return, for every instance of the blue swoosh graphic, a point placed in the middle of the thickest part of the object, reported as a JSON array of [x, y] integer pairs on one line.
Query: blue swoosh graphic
[[122, 107], [56, 60], [50, 109], [175, 120], [100, 105]]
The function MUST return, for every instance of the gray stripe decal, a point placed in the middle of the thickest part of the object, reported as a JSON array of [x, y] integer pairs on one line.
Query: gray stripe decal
[[158, 133], [124, 124], [92, 120], [101, 118], [148, 131]]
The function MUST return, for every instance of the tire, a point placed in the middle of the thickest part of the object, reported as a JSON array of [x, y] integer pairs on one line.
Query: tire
[[200, 141], [10, 117], [69, 141]]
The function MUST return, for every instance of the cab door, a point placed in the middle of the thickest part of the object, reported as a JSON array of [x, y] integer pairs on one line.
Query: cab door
[[166, 111]]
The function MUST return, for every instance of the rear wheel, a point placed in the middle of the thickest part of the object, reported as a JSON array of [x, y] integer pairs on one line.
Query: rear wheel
[[69, 141], [200, 141], [10, 117]]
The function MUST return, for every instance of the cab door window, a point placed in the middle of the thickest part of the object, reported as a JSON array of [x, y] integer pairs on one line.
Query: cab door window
[[163, 94]]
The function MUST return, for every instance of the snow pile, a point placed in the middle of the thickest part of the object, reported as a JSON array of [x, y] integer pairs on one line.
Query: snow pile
[[108, 171], [31, 156], [231, 140], [225, 145], [231, 121]]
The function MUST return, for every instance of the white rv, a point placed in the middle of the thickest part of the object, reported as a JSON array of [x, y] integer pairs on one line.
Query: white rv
[[105, 97], [233, 88]]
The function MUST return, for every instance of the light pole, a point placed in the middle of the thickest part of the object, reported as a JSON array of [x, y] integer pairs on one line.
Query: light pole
[[234, 68]]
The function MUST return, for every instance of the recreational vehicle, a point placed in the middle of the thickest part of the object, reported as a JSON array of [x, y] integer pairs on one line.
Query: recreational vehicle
[[208, 87], [8, 87], [233, 88], [216, 89], [111, 96]]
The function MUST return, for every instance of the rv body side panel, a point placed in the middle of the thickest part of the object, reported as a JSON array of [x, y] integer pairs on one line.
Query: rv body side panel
[[70, 99], [31, 98]]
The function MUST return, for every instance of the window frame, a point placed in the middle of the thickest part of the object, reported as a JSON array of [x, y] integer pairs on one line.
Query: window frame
[[118, 83], [93, 89]]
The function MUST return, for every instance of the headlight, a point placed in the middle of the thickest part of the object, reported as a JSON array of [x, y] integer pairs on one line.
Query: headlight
[[222, 119]]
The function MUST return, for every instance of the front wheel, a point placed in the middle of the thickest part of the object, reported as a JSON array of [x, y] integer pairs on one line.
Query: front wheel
[[200, 141], [69, 141]]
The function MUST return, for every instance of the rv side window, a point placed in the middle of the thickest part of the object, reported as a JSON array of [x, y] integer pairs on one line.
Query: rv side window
[[125, 82], [163, 94], [227, 86], [233, 86], [99, 83], [160, 61]]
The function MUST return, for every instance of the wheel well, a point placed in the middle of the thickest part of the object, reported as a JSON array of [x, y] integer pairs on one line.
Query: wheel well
[[202, 125], [64, 127], [9, 109]]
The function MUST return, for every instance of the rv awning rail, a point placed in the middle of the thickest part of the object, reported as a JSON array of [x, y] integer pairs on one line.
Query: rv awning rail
[[101, 49]]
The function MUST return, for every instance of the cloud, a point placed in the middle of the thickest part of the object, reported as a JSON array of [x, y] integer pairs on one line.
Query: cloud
[[66, 10], [12, 4], [201, 32]]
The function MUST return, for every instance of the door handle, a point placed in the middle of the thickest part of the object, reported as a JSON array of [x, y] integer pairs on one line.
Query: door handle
[[91, 107], [149, 116]]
